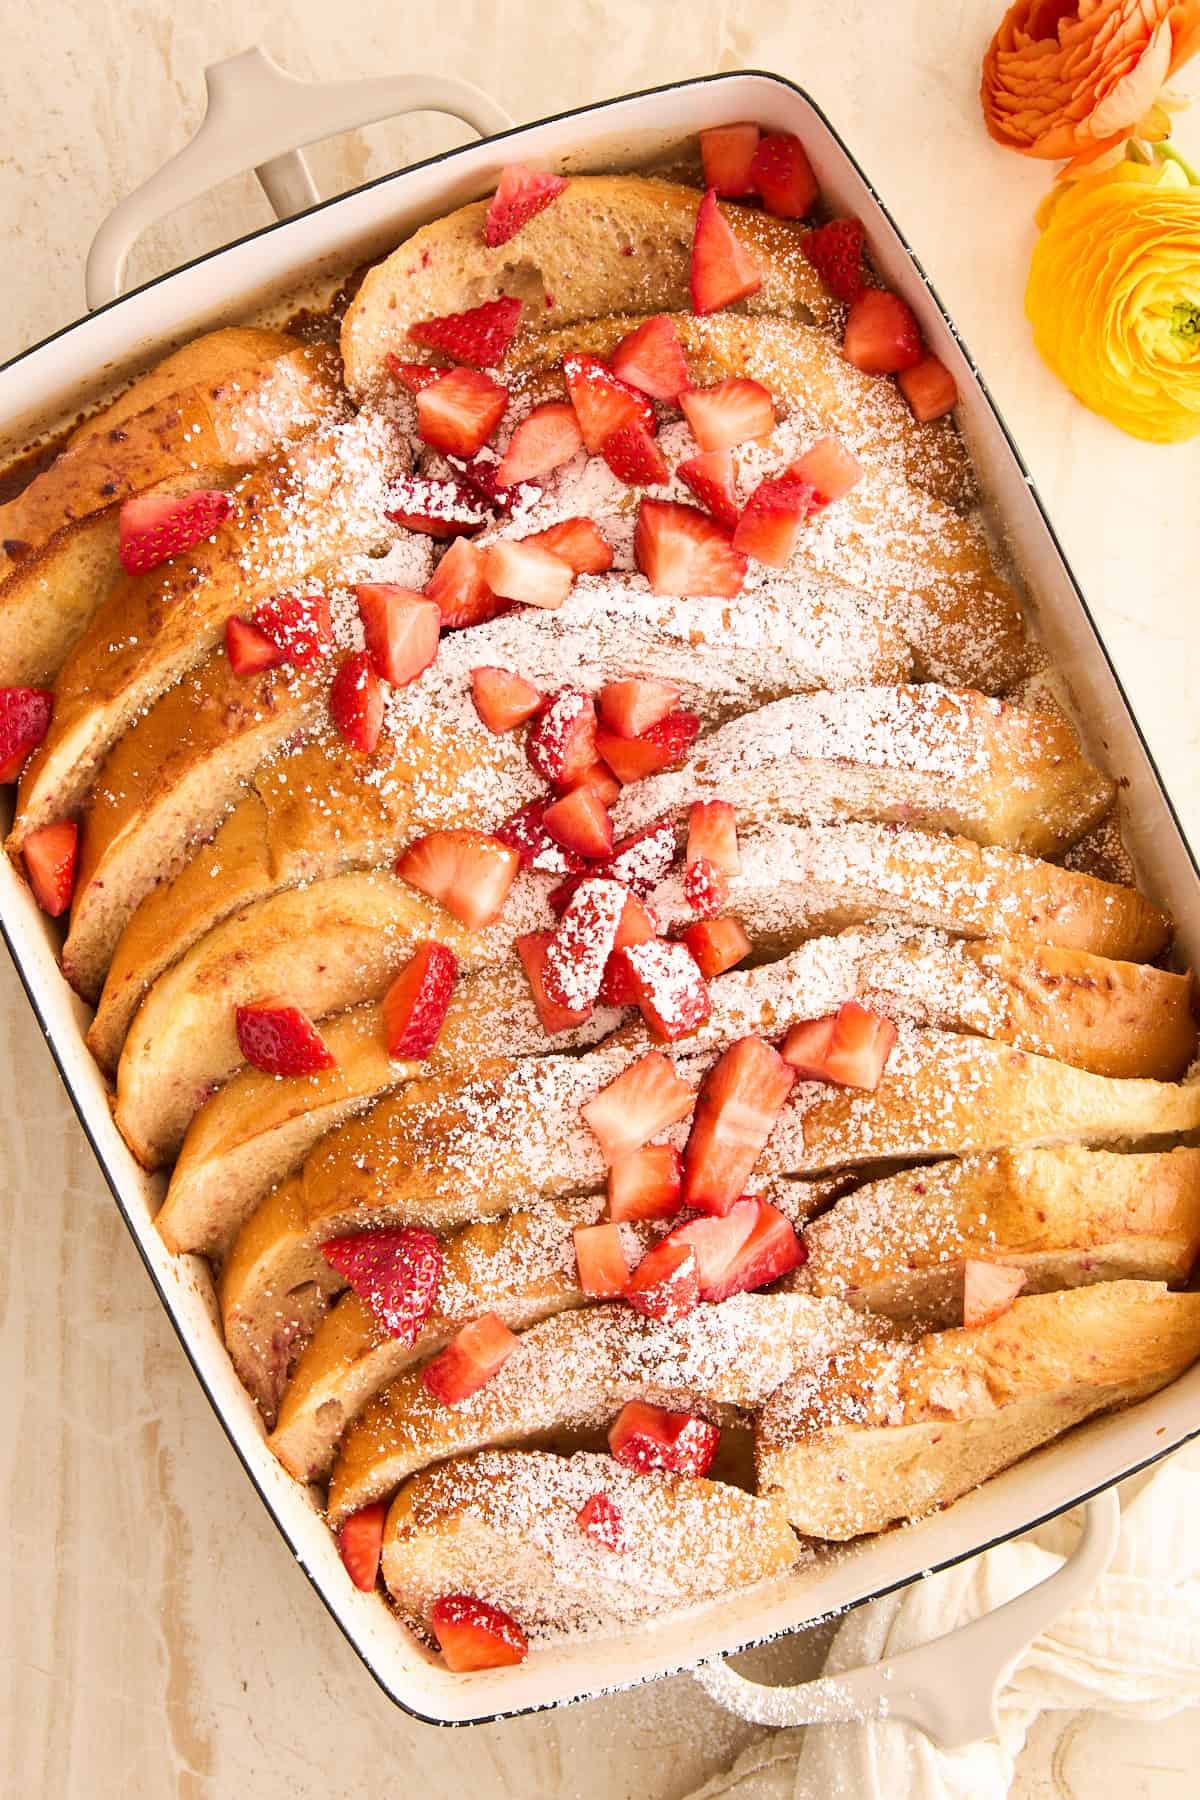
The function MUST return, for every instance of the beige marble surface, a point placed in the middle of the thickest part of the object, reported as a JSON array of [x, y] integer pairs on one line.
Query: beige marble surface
[[155, 1636]]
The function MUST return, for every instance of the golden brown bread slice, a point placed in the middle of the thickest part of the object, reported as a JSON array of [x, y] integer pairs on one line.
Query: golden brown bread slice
[[502, 1525], [1067, 1216], [885, 1433]]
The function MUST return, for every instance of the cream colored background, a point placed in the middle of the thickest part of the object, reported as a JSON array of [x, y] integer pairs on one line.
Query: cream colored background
[[155, 1638]]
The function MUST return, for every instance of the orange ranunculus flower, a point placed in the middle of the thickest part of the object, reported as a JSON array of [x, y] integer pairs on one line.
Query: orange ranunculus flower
[[1114, 296], [1062, 80]]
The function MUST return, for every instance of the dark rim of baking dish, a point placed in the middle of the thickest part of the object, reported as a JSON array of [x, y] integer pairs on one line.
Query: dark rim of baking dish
[[934, 1568]]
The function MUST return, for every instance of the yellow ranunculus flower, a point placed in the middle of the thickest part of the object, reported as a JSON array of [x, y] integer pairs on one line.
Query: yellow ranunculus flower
[[1114, 296]]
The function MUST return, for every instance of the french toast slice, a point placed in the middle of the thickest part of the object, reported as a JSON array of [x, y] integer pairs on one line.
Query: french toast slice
[[503, 1525], [881, 1433], [1066, 1217]]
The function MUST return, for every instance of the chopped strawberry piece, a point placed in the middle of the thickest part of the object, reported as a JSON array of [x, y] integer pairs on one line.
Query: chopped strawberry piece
[[582, 944], [503, 699], [771, 519], [276, 1037], [829, 469], [705, 887], [666, 1283], [783, 175], [440, 509], [634, 457], [401, 630], [710, 477], [636, 927], [481, 477], [723, 270], [645, 1183], [671, 992], [356, 702], [650, 358], [414, 376], [729, 414], [631, 707], [727, 152], [646, 1437], [806, 1047], [414, 1007], [712, 833], [644, 858], [600, 1260], [154, 527], [480, 336], [641, 1101], [579, 542], [473, 1635], [532, 948], [882, 335], [250, 650], [458, 585], [740, 1100], [526, 572], [836, 253], [51, 853], [602, 401], [716, 1242], [25, 714], [599, 779], [469, 1360], [547, 438], [580, 822], [989, 1289], [528, 836], [599, 1518], [748, 1247], [468, 871], [459, 413], [680, 550], [929, 388], [360, 1544], [522, 194], [667, 743], [717, 945], [562, 741], [859, 1047], [396, 1274], [301, 625]]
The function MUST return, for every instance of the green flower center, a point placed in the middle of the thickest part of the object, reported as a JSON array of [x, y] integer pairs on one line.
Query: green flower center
[[1185, 322]]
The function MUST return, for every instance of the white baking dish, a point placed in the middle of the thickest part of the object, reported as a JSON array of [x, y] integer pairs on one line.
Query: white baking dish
[[50, 382]]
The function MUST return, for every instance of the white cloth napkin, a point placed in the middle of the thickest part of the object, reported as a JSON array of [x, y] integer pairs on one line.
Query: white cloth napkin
[[1133, 1647]]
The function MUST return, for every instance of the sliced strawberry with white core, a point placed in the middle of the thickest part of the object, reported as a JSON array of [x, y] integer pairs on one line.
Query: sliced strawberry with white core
[[532, 948], [727, 152], [640, 1102], [748, 1247], [401, 630], [582, 944], [579, 542], [705, 887], [644, 1437], [51, 853], [882, 335], [989, 1289], [637, 927], [527, 835], [562, 741], [806, 1047], [711, 478], [522, 193], [526, 572], [671, 992], [712, 832], [440, 509], [479, 336], [739, 1102], [469, 872], [356, 702], [666, 1283], [664, 745], [414, 376], [25, 714], [458, 586], [600, 1261], [634, 457], [459, 413], [250, 650], [503, 699], [857, 1048], [580, 822], [651, 359], [717, 945], [929, 388], [360, 1544], [396, 1274], [548, 437], [836, 253], [301, 625], [599, 1518], [602, 401], [783, 175], [469, 1360], [681, 550], [771, 519], [829, 469], [415, 1006], [723, 270], [715, 1242], [280, 1039], [631, 707], [729, 414], [151, 528], [473, 1635], [645, 1183]]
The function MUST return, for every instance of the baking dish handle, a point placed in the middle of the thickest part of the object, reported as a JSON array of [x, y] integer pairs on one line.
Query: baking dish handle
[[949, 1687], [257, 116]]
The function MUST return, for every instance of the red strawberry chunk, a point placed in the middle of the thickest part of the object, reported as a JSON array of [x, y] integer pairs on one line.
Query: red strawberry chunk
[[667, 743], [469, 1360], [645, 1183], [457, 584], [631, 707], [600, 1260], [602, 401], [680, 550], [522, 193], [740, 1100], [582, 944], [859, 1048], [723, 270], [651, 359], [729, 414], [276, 1037], [712, 833], [806, 1047], [25, 714], [250, 650], [547, 438], [715, 1242], [634, 457], [829, 469], [401, 630], [360, 1544], [666, 1283], [836, 253], [636, 927], [882, 335], [51, 853], [646, 1437], [300, 624], [459, 413], [528, 836], [412, 375], [989, 1289], [599, 1518], [579, 542], [154, 527], [783, 175], [641, 1101], [580, 822], [532, 948], [414, 1007], [771, 520], [481, 477], [644, 858], [396, 1274], [441, 509], [727, 152], [356, 702], [503, 699], [929, 388], [473, 1635], [705, 887], [599, 780], [671, 992], [480, 336], [710, 477], [562, 742], [526, 572], [750, 1246], [468, 871], [717, 945]]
